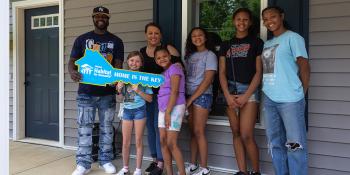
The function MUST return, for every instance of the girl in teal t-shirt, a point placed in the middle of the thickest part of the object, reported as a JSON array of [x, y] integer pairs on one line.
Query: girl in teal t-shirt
[[286, 74], [134, 114]]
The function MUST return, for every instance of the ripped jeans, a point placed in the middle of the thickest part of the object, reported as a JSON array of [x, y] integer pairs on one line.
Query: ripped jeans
[[286, 134], [87, 105]]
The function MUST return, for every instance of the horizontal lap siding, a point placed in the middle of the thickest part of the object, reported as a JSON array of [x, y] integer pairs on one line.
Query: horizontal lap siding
[[329, 97], [128, 18]]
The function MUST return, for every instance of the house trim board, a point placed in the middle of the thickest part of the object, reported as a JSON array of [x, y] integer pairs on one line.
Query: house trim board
[[19, 67]]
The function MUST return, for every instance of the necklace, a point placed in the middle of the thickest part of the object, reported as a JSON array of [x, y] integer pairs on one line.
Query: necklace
[[150, 51]]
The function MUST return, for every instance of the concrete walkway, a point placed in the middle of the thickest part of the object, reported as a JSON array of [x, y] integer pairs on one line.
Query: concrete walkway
[[33, 159]]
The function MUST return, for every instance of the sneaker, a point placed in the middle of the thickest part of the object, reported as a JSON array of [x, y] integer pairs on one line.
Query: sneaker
[[191, 169], [202, 171], [109, 168], [80, 170], [151, 167], [123, 171], [240, 173], [137, 173], [156, 171]]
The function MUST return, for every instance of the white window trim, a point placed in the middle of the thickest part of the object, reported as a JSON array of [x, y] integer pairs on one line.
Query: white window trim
[[18, 68], [186, 27], [44, 16]]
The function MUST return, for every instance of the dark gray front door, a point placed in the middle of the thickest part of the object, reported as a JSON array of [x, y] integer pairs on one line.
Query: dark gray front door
[[41, 73]]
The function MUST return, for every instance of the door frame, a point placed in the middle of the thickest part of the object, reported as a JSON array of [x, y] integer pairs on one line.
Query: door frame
[[18, 21]]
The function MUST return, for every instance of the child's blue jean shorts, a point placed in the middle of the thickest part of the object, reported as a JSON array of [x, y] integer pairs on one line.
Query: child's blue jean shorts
[[204, 101], [242, 88], [135, 114]]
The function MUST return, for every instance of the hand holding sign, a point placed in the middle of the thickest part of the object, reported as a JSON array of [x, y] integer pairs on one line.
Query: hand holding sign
[[120, 86], [135, 88], [96, 70]]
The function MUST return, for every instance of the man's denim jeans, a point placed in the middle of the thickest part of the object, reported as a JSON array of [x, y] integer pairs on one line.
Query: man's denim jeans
[[286, 134], [87, 106]]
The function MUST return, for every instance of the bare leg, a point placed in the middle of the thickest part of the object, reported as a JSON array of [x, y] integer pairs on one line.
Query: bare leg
[[165, 151], [194, 144], [237, 142], [247, 123], [126, 129], [139, 128], [175, 151], [200, 117]]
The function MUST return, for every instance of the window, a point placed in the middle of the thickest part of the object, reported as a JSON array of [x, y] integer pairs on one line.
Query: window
[[45, 21], [216, 17]]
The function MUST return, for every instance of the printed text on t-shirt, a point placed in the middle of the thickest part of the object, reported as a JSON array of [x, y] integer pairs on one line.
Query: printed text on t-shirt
[[238, 50]]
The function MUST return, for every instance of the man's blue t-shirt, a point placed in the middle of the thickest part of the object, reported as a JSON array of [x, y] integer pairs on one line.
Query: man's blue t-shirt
[[109, 45], [132, 100], [281, 82]]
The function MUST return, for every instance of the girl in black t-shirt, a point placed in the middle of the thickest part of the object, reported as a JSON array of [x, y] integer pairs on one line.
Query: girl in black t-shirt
[[240, 72]]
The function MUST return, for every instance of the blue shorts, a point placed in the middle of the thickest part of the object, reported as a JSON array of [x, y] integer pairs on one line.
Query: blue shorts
[[135, 114], [242, 88], [204, 101]]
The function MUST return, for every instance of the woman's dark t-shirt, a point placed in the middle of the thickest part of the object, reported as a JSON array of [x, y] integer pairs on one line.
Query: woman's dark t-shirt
[[243, 51], [150, 65]]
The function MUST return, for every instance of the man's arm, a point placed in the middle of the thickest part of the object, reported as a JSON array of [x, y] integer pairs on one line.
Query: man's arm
[[73, 70], [118, 63], [118, 55]]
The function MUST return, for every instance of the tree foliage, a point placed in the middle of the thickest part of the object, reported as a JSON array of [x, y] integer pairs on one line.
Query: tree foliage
[[216, 15]]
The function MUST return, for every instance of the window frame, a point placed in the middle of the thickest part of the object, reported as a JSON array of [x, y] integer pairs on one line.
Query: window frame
[[186, 27], [39, 17]]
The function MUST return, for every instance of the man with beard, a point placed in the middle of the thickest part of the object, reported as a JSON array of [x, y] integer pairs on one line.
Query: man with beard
[[92, 97]]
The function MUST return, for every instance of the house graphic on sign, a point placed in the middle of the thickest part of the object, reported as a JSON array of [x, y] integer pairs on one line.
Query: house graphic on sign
[[86, 69]]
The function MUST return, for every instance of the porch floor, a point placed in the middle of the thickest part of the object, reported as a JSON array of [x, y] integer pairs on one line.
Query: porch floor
[[34, 159]]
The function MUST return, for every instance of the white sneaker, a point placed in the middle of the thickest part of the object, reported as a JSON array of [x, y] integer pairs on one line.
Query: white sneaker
[[123, 171], [109, 168], [137, 173], [203, 171], [191, 169], [80, 170]]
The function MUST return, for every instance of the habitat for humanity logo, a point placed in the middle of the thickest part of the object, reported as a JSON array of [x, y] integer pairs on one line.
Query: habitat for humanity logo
[[86, 69], [100, 72]]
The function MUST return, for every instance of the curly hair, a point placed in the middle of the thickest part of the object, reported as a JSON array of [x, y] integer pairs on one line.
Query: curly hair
[[191, 48]]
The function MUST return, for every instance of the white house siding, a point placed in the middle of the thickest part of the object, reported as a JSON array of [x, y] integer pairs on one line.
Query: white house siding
[[329, 94]]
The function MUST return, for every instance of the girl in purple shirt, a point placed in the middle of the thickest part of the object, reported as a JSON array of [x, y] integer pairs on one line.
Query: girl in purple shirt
[[172, 106]]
